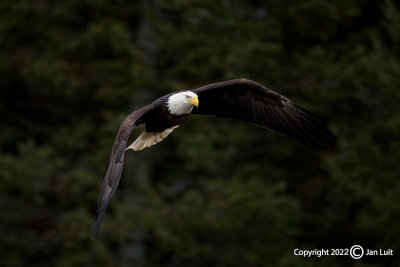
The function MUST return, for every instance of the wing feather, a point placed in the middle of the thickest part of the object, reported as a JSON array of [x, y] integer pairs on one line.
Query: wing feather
[[245, 100], [115, 164]]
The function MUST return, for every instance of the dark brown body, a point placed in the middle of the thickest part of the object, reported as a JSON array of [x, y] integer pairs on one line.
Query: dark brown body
[[159, 118]]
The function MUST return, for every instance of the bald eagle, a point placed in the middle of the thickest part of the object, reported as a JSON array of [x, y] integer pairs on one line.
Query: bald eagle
[[238, 99]]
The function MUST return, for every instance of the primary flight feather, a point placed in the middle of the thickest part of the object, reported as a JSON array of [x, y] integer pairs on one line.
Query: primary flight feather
[[239, 99]]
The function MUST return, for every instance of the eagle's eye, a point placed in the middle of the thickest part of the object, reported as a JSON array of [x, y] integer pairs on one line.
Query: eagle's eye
[[188, 97]]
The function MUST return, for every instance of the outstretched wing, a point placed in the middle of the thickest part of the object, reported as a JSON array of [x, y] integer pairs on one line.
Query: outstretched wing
[[115, 164], [245, 100]]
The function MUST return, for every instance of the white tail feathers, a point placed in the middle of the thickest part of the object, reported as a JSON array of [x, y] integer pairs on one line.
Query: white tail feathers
[[148, 139]]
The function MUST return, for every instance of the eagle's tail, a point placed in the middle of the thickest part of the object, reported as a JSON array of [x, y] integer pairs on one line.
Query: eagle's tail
[[147, 139]]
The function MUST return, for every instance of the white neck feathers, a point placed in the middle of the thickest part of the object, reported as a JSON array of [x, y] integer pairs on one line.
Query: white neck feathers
[[178, 105]]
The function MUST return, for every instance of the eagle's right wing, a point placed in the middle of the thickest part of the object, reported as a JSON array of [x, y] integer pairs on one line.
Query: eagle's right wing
[[115, 164]]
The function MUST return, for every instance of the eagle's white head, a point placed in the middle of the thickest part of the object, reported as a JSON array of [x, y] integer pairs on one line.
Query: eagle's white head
[[182, 103]]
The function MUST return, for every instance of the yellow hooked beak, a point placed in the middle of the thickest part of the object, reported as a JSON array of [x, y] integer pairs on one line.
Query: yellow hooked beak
[[194, 100]]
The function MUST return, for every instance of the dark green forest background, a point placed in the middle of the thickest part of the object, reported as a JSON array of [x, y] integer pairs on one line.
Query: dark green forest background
[[215, 192]]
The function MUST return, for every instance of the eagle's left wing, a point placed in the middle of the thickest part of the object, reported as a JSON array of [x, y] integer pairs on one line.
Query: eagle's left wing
[[248, 101]]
